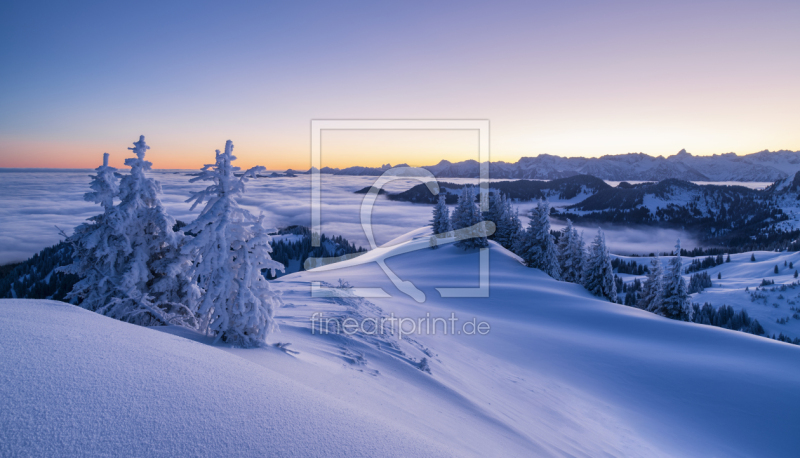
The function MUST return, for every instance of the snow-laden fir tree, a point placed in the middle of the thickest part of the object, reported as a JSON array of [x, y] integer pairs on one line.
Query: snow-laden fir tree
[[94, 244], [516, 229], [508, 226], [580, 254], [570, 254], [440, 223], [502, 215], [536, 246], [230, 250], [598, 275], [104, 186], [493, 212], [118, 253], [653, 287], [466, 215], [675, 303]]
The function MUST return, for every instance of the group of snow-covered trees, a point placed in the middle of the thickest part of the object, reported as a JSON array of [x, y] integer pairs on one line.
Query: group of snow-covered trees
[[465, 221], [665, 292], [568, 260], [135, 266]]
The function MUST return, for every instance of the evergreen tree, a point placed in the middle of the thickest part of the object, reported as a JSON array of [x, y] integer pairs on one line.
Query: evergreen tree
[[753, 257], [653, 288], [676, 303], [441, 216], [494, 212], [466, 215], [117, 254], [506, 223], [570, 256], [728, 259], [104, 185], [579, 254], [515, 228], [776, 268], [536, 246], [228, 256], [598, 275]]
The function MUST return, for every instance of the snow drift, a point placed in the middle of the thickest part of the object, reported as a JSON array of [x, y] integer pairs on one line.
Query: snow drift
[[561, 373]]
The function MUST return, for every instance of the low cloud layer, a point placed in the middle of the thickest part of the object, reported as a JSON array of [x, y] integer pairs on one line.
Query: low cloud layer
[[35, 202]]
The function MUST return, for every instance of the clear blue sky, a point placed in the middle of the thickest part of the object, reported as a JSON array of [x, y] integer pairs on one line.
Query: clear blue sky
[[568, 78]]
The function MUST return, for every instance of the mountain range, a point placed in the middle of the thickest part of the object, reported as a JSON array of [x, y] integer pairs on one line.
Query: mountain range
[[764, 166]]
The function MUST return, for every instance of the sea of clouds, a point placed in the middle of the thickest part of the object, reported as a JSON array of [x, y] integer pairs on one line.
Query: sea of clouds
[[35, 203]]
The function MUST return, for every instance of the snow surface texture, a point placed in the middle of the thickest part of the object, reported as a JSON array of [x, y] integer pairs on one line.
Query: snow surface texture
[[34, 202], [75, 383], [561, 373]]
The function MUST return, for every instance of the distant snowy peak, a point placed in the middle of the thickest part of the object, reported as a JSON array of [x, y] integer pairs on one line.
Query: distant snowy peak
[[761, 167]]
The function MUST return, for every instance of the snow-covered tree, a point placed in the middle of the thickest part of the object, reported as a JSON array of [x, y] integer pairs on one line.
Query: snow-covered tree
[[441, 216], [94, 248], [570, 254], [508, 226], [516, 228], [536, 246], [227, 255], [104, 185], [675, 304], [494, 213], [653, 288], [580, 254], [117, 253], [598, 275], [500, 213], [465, 215]]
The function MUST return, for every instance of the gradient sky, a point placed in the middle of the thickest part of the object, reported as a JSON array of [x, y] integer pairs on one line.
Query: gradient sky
[[567, 78]]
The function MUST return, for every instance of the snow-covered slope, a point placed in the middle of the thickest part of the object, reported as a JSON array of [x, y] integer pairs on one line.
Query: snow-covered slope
[[766, 304], [560, 373], [77, 383]]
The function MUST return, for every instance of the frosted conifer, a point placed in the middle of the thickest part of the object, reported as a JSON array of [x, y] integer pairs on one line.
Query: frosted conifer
[[230, 250]]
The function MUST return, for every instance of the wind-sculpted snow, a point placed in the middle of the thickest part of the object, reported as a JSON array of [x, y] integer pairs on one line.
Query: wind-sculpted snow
[[559, 373], [77, 383], [557, 358]]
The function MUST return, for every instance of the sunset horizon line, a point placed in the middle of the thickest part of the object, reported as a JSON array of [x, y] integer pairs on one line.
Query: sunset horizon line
[[247, 162]]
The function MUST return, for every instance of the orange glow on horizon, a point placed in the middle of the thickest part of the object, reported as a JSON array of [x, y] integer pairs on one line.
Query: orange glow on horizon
[[342, 149]]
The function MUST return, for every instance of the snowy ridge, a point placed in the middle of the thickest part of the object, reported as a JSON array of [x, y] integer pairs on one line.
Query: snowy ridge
[[560, 373]]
